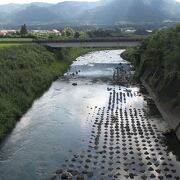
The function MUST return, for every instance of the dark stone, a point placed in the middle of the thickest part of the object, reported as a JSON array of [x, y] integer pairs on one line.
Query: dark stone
[[66, 175], [59, 171], [74, 84], [80, 178]]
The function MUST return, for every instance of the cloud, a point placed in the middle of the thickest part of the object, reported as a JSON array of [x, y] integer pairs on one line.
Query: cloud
[[29, 1]]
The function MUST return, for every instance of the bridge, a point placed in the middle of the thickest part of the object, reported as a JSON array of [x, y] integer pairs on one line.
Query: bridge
[[105, 42], [122, 42]]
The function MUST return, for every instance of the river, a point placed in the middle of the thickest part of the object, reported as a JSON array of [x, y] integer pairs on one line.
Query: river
[[86, 123]]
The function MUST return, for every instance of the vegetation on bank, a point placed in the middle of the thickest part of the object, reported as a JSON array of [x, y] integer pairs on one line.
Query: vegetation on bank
[[15, 39], [8, 45], [129, 54], [25, 72], [158, 60]]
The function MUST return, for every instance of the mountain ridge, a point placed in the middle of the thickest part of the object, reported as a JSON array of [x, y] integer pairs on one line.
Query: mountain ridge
[[107, 12]]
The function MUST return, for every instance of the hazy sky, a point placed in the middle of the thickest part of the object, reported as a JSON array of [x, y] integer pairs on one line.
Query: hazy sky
[[28, 1]]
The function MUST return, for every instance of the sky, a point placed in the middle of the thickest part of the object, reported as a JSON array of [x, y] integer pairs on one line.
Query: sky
[[48, 1], [29, 1]]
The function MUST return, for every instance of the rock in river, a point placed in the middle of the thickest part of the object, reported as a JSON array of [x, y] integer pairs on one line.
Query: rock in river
[[66, 175], [74, 84]]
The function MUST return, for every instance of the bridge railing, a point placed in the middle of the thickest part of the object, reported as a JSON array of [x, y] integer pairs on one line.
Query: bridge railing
[[91, 40], [41, 41]]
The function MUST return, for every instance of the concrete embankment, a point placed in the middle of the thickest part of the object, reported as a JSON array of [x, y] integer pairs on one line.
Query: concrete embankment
[[168, 114]]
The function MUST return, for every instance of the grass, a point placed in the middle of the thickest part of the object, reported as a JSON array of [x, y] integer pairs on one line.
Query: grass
[[15, 39], [26, 71], [129, 54], [9, 45]]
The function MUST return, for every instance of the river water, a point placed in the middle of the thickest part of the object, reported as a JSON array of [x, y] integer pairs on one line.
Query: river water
[[85, 123]]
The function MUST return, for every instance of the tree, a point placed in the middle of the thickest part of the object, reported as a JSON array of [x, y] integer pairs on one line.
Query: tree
[[99, 33], [77, 35], [23, 30], [68, 32]]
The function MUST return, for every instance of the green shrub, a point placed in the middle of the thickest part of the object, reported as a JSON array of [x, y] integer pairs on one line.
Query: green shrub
[[160, 56], [25, 72]]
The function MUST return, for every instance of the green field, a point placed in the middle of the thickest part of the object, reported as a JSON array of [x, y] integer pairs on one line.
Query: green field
[[8, 42], [9, 45], [16, 39]]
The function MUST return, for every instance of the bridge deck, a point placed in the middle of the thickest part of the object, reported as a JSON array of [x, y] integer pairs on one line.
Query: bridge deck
[[101, 42], [91, 44]]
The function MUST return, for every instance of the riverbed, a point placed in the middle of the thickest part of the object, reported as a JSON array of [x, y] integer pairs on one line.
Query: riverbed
[[92, 127]]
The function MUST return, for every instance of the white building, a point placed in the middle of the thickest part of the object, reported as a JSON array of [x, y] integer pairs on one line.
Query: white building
[[6, 32]]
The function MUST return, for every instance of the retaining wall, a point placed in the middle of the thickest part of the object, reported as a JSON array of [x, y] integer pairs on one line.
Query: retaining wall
[[173, 118]]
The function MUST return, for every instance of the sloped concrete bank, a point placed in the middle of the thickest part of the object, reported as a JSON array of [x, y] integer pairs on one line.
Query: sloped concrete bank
[[169, 115]]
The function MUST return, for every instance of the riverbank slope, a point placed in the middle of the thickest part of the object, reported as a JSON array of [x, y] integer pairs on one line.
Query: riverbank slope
[[26, 71], [157, 63]]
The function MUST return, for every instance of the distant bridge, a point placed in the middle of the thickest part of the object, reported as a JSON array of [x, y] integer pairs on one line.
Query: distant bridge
[[106, 42], [122, 42]]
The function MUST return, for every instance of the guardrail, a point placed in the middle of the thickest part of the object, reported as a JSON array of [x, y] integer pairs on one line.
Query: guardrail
[[91, 40]]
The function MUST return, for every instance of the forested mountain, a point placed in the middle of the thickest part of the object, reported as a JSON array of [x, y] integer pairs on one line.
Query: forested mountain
[[119, 11], [33, 14], [106, 12], [13, 8]]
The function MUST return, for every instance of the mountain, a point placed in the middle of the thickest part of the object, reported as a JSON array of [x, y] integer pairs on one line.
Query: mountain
[[71, 9], [44, 13], [13, 8], [34, 14], [106, 12], [119, 11], [173, 8]]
